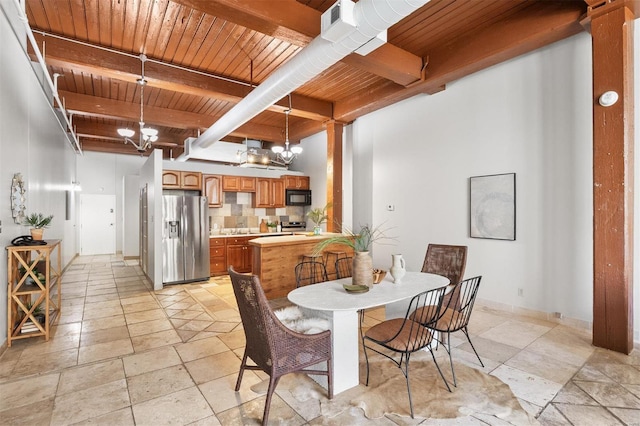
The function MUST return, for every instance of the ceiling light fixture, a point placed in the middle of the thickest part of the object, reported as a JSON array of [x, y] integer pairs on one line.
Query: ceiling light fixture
[[285, 155], [148, 135]]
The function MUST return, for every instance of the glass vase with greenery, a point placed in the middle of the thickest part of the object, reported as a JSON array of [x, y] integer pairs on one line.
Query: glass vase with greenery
[[318, 216]]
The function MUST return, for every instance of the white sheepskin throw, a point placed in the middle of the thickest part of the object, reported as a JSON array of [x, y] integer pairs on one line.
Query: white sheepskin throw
[[293, 318]]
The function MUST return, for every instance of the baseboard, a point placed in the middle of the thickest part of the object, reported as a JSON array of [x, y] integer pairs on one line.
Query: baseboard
[[547, 316]]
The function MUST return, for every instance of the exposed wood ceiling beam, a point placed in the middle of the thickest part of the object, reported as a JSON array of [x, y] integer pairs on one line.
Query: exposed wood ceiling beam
[[87, 129], [93, 60], [534, 27], [118, 110], [299, 24]]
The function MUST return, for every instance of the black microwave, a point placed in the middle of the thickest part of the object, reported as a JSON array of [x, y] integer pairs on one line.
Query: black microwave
[[298, 197]]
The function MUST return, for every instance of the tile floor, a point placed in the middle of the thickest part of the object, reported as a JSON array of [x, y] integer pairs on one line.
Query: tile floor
[[122, 354]]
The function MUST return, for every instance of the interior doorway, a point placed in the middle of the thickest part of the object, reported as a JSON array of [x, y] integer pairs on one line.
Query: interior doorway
[[97, 224]]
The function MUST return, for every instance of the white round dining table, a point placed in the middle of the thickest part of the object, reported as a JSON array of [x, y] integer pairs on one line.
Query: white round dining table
[[330, 300]]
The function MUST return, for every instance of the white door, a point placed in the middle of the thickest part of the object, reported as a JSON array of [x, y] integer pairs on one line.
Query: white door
[[97, 224]]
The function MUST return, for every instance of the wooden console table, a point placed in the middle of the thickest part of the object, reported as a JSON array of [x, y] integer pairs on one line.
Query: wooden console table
[[33, 281]]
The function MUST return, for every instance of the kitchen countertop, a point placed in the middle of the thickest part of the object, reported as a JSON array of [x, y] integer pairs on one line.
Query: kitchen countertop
[[257, 234], [296, 238]]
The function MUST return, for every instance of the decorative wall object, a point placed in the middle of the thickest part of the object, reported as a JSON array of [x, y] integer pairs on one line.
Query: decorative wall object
[[18, 198], [493, 206]]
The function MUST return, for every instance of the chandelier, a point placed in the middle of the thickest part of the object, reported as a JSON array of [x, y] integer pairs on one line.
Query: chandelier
[[285, 155], [147, 135]]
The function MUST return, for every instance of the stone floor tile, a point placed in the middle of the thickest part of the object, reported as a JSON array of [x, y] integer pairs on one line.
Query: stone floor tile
[[154, 384], [84, 404], [122, 417], [148, 327], [610, 394], [251, 412], [38, 363], [103, 323], [135, 317], [200, 349], [156, 359], [548, 367], [515, 333], [234, 339], [221, 394], [101, 351], [587, 415], [550, 416], [527, 386], [28, 391], [76, 379], [212, 367], [104, 336], [180, 408], [38, 413], [155, 340]]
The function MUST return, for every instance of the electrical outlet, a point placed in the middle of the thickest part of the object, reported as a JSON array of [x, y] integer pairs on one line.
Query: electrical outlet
[[520, 292], [391, 207]]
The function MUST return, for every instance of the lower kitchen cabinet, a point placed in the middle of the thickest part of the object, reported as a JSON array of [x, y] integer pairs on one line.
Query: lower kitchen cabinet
[[239, 253], [217, 257]]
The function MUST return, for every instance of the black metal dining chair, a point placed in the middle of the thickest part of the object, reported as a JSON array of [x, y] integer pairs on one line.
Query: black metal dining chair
[[403, 336], [310, 272], [343, 267]]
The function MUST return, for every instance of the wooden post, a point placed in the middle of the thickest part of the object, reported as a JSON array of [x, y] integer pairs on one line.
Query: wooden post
[[613, 186], [334, 175]]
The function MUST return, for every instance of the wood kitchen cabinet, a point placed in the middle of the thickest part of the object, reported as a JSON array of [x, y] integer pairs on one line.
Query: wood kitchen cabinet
[[296, 182], [238, 184], [269, 193], [212, 185], [176, 179], [217, 257], [239, 253]]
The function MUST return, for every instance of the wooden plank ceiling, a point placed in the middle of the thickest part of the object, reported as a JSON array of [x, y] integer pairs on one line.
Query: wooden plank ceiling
[[206, 55]]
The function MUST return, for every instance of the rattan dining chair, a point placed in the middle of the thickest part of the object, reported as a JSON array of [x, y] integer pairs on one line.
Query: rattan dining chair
[[343, 267], [403, 336], [274, 348], [449, 261], [310, 272], [455, 317]]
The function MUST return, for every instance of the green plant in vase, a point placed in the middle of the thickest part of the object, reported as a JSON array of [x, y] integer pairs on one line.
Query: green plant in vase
[[38, 222], [318, 216], [361, 243]]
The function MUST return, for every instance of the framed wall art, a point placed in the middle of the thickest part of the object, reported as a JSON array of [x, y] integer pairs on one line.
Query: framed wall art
[[493, 206]]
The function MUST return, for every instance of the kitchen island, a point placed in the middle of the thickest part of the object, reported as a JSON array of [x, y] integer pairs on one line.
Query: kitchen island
[[275, 259]]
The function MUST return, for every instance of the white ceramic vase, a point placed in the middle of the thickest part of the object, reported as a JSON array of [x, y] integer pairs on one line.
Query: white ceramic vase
[[397, 269]]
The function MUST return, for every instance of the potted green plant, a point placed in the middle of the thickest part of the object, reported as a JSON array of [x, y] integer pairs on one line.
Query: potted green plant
[[38, 312], [38, 222], [318, 216], [361, 244]]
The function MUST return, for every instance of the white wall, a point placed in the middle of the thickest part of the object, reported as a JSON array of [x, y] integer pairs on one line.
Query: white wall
[[102, 173], [531, 116], [31, 143], [130, 216]]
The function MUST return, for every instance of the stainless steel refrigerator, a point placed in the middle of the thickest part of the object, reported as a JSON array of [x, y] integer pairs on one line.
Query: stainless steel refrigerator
[[185, 239]]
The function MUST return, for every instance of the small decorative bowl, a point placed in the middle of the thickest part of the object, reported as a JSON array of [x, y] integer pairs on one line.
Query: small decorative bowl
[[378, 275]]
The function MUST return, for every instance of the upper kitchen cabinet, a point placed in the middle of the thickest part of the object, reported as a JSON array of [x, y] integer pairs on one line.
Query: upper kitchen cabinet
[[296, 182], [269, 193], [175, 179], [212, 185], [238, 184]]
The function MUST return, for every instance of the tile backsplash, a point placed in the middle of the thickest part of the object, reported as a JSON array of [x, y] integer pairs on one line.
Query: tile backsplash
[[237, 212]]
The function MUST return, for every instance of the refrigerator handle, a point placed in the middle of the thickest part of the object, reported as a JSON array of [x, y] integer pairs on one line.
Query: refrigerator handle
[[173, 228]]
